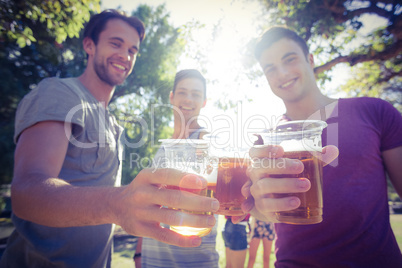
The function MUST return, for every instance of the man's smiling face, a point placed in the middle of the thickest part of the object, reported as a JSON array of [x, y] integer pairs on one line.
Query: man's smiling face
[[188, 98], [116, 52], [290, 73]]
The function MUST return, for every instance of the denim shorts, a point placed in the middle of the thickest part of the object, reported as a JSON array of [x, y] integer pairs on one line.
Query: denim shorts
[[235, 235]]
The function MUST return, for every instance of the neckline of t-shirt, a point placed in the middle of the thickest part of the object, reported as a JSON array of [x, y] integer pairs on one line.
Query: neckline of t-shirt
[[85, 90]]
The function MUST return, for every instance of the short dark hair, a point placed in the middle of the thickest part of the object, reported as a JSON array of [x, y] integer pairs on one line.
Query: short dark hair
[[275, 34], [98, 22], [190, 73]]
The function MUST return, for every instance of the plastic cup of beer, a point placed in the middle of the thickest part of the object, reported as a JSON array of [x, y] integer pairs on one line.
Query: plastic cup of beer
[[229, 164], [190, 156], [301, 140]]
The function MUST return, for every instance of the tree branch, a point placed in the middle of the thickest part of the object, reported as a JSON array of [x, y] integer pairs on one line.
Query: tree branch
[[371, 9], [389, 76], [353, 59]]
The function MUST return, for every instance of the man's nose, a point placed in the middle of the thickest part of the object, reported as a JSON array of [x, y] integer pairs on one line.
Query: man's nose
[[282, 71], [125, 55]]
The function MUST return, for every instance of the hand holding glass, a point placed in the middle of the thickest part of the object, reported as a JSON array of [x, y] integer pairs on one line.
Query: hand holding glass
[[190, 156], [301, 140]]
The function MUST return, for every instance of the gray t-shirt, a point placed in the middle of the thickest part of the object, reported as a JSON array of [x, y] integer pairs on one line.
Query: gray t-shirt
[[93, 158]]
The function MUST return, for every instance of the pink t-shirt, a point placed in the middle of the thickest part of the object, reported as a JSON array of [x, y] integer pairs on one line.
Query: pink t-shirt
[[356, 230]]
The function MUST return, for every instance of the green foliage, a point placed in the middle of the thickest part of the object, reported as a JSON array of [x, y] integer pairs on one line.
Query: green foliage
[[365, 82], [44, 21], [333, 29]]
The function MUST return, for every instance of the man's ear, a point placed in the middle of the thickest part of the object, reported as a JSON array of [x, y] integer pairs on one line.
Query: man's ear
[[311, 60], [205, 103], [171, 97], [89, 45]]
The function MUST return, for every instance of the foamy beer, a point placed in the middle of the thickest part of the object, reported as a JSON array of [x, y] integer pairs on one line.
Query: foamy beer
[[301, 140], [229, 170], [189, 156]]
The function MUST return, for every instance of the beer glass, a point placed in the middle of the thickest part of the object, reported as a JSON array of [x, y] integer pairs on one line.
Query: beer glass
[[190, 156], [229, 164], [301, 140]]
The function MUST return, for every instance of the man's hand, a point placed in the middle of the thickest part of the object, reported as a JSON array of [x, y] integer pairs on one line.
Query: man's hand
[[147, 201], [259, 190]]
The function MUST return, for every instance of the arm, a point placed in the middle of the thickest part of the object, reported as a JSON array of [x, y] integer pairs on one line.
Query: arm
[[38, 195], [393, 163]]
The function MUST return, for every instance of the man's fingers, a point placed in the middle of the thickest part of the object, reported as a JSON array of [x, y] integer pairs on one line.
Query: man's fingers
[[329, 154], [248, 204], [261, 151], [181, 199], [245, 190], [174, 177], [263, 166], [267, 217], [269, 205], [237, 219], [283, 185]]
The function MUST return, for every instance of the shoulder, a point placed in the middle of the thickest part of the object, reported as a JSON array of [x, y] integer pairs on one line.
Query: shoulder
[[52, 92], [360, 101], [51, 100], [52, 95], [202, 132], [365, 102], [198, 133], [368, 106], [59, 87]]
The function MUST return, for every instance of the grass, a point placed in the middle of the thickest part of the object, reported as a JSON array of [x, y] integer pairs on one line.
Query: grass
[[396, 223], [123, 251]]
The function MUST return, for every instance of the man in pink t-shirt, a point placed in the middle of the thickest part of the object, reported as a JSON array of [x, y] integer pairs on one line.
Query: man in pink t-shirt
[[355, 231]]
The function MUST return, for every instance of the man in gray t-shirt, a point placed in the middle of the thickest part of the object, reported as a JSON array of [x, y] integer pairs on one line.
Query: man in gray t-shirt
[[65, 190]]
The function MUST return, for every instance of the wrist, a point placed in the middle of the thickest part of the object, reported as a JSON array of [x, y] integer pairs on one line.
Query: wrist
[[114, 205]]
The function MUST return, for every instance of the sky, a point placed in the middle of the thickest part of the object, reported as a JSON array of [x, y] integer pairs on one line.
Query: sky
[[238, 26]]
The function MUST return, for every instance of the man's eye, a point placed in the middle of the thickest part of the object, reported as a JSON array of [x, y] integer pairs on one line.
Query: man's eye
[[269, 70], [290, 60]]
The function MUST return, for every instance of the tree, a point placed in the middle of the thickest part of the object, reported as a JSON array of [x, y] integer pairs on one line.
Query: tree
[[332, 28], [32, 21]]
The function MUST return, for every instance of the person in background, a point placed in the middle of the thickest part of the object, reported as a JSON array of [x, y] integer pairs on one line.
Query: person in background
[[66, 193], [137, 255], [188, 97], [261, 232], [356, 230], [236, 243]]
